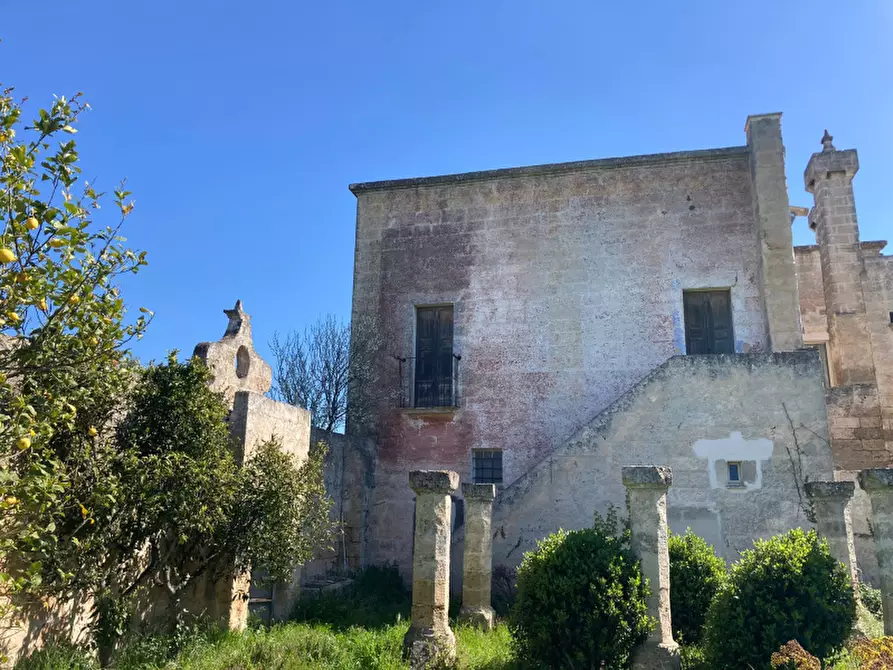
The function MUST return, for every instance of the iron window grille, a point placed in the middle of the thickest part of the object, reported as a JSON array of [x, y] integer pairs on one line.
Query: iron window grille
[[487, 466]]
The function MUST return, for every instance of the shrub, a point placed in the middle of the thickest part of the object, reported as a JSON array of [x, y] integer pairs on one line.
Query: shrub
[[691, 657], [581, 600], [872, 654], [696, 574], [792, 656], [871, 598], [503, 590], [785, 588]]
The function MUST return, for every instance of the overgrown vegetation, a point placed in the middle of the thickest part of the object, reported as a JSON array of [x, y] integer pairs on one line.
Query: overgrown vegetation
[[786, 588], [696, 575], [581, 599]]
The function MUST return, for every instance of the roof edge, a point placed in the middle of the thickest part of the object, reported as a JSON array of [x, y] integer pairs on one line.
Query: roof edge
[[552, 168]]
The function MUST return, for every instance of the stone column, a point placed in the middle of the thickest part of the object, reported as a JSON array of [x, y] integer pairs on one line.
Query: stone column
[[646, 487], [429, 638], [830, 502], [477, 569], [878, 484]]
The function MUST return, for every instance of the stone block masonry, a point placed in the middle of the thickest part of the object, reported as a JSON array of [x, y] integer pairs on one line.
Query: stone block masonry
[[429, 639], [646, 488], [478, 560]]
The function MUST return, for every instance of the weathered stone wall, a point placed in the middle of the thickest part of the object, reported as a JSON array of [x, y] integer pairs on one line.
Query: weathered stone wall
[[694, 414], [567, 288], [350, 479], [812, 294], [877, 286]]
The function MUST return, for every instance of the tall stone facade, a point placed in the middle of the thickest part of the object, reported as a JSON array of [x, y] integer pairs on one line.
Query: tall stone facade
[[567, 288]]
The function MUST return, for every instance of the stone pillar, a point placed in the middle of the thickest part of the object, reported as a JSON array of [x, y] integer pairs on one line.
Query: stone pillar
[[830, 502], [829, 177], [477, 571], [429, 638], [878, 484], [778, 279], [646, 488]]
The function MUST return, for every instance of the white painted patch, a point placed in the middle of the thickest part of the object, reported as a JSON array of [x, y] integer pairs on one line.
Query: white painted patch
[[734, 448]]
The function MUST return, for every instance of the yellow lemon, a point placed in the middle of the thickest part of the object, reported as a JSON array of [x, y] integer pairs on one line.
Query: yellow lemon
[[74, 300], [11, 500], [23, 443], [6, 256], [21, 277], [93, 342], [12, 316], [83, 511], [57, 242], [92, 431], [42, 305], [32, 223]]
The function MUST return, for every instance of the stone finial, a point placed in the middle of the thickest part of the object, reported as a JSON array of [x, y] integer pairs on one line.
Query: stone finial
[[433, 481], [239, 322], [826, 142], [648, 476], [233, 360]]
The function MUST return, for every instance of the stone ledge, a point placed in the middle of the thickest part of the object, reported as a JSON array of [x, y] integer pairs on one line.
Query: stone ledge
[[649, 476], [433, 481], [485, 492], [552, 168], [835, 490]]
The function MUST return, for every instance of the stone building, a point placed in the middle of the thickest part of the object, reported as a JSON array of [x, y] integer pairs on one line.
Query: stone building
[[544, 325]]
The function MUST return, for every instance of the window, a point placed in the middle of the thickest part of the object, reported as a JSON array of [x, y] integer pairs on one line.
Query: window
[[822, 348], [734, 472], [434, 357], [708, 322], [487, 466]]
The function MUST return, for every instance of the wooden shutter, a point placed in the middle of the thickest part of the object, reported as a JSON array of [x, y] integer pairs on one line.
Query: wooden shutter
[[434, 357], [708, 322]]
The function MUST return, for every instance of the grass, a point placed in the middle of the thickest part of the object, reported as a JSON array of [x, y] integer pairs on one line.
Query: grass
[[361, 629]]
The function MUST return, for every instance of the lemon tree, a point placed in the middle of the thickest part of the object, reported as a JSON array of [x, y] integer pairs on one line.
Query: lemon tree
[[64, 335]]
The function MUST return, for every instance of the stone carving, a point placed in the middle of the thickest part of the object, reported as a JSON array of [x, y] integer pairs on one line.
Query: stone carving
[[646, 488], [478, 560], [233, 360], [429, 640]]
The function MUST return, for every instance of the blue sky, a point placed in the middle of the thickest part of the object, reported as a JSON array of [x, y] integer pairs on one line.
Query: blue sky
[[240, 125]]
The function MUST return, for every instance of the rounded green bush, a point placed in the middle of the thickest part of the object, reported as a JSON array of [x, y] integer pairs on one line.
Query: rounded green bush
[[786, 588], [696, 575], [580, 601]]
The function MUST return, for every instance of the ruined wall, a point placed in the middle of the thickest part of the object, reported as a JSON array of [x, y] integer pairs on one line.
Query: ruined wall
[[349, 478], [567, 288], [694, 414], [812, 294]]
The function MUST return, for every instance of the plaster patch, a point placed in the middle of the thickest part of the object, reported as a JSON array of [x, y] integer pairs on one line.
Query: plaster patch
[[734, 448]]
